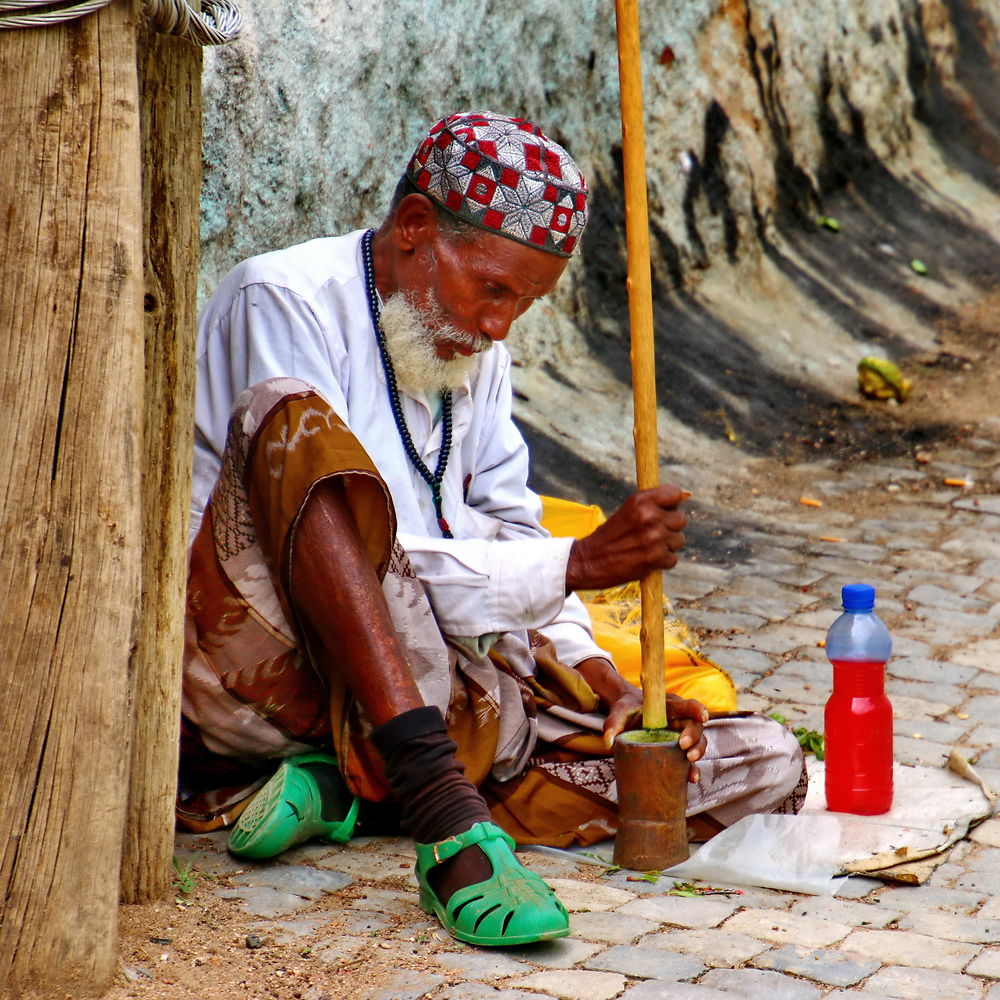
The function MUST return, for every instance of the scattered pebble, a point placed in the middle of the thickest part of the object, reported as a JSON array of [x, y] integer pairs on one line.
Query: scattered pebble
[[253, 941]]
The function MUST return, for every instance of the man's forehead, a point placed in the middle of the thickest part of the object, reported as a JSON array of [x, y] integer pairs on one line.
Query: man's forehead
[[505, 176], [522, 269]]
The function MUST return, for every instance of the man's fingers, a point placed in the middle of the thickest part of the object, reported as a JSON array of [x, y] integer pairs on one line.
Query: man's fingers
[[665, 495]]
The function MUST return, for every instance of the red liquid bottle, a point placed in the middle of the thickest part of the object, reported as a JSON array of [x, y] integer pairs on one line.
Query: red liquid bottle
[[858, 717]]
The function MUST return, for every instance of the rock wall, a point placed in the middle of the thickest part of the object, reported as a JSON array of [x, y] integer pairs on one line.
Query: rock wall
[[763, 116]]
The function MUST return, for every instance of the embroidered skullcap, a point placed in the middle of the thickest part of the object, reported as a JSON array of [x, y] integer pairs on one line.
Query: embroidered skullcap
[[505, 176]]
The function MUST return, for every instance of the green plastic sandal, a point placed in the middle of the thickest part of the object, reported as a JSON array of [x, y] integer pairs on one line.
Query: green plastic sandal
[[513, 906], [290, 808]]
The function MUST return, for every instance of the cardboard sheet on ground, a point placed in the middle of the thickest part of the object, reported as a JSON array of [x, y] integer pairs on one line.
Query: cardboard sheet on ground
[[932, 809]]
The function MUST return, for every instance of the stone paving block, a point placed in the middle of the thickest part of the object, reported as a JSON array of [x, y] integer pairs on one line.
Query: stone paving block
[[842, 911], [981, 505], [989, 758], [798, 716], [758, 983], [263, 901], [750, 660], [482, 963], [362, 922], [766, 564], [845, 569], [822, 965], [406, 984], [578, 896], [716, 947], [401, 903], [982, 734], [917, 709], [759, 585], [939, 692], [792, 689], [978, 858], [688, 570], [910, 948], [786, 638], [947, 624], [874, 555], [480, 991], [987, 833], [958, 583], [287, 931], [974, 546], [680, 590], [924, 752], [857, 887], [904, 644], [921, 984], [574, 984], [946, 875], [986, 964], [337, 950], [781, 927], [646, 963], [908, 898], [722, 621], [682, 911], [951, 597], [207, 860], [776, 608], [563, 953], [656, 989], [812, 671], [801, 576], [984, 682], [929, 729], [856, 995], [366, 864], [750, 702], [984, 654], [987, 883], [612, 928], [310, 883]]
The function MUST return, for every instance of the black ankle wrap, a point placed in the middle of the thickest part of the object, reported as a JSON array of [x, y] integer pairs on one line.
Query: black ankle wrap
[[425, 777]]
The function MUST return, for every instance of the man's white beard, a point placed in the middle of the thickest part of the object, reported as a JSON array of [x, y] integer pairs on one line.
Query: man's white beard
[[410, 334]]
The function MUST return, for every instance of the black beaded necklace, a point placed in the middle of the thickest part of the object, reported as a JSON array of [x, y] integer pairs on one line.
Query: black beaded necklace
[[434, 479]]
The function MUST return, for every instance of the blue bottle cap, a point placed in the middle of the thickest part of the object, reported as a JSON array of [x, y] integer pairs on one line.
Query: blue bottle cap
[[858, 597]]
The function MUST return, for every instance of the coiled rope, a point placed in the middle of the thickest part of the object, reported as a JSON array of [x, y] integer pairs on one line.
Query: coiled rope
[[215, 22]]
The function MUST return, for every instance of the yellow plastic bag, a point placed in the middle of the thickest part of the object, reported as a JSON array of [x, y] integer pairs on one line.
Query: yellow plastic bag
[[616, 616]]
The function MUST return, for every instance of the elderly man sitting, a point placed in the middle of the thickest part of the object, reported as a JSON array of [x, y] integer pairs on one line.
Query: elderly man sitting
[[377, 624]]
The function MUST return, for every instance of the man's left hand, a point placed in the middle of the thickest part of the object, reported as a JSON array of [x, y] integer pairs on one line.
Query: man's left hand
[[624, 705]]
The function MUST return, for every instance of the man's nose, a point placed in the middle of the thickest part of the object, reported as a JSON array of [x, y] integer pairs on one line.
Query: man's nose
[[495, 322]]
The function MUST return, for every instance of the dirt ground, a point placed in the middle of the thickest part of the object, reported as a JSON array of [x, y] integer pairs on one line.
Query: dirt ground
[[954, 389], [195, 945]]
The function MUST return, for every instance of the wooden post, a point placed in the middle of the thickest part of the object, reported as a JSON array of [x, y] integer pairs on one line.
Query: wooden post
[[170, 83], [640, 308], [71, 358]]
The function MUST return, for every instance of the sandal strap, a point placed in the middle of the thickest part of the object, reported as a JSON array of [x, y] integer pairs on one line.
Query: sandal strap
[[476, 834]]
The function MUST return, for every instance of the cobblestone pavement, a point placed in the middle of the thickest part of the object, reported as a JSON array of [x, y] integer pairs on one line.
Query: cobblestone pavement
[[933, 551]]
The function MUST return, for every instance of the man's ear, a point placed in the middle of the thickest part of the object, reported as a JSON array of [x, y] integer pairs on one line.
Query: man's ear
[[415, 222]]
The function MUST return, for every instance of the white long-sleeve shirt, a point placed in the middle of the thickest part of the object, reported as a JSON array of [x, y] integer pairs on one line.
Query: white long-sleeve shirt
[[303, 312]]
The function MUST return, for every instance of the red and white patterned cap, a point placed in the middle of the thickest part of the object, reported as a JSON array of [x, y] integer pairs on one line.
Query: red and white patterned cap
[[505, 176]]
